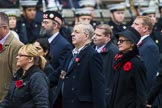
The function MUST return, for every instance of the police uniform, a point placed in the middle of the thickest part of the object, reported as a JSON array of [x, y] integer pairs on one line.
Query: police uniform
[[12, 13], [28, 31], [116, 28], [90, 3], [82, 12], [138, 6]]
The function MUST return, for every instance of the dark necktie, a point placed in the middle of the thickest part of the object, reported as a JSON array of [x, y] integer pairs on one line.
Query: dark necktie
[[70, 63], [72, 60], [140, 44]]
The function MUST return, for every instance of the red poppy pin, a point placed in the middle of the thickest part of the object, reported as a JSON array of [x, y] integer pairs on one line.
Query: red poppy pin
[[116, 66], [77, 59], [1, 47], [103, 50], [118, 56], [19, 83], [127, 66]]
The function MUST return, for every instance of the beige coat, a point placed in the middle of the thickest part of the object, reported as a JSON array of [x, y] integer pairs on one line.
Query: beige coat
[[8, 63]]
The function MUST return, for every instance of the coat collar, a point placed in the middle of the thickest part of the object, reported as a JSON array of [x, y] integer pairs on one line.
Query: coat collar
[[28, 73], [77, 60], [8, 41]]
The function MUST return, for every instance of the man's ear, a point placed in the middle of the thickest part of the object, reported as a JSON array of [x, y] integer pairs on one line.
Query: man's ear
[[146, 28]]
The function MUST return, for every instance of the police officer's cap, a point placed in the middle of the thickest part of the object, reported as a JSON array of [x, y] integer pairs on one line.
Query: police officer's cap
[[129, 33], [82, 12], [117, 7], [160, 5], [84, 3], [149, 10], [54, 8], [141, 4], [28, 3], [12, 13], [53, 15]]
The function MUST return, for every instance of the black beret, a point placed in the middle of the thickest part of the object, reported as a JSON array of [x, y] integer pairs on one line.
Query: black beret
[[55, 16]]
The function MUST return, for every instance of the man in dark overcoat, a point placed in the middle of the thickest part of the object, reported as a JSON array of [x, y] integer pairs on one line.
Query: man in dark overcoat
[[82, 80], [104, 45]]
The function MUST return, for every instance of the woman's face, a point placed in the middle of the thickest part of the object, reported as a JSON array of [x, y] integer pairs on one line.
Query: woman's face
[[23, 60], [40, 49], [124, 44]]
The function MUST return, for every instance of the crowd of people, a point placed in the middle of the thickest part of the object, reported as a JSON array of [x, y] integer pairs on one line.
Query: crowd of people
[[89, 64]]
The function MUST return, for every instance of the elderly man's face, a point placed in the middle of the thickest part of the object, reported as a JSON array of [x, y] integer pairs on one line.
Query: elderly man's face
[[78, 36]]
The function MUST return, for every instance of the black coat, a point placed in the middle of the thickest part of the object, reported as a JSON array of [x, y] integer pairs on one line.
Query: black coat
[[108, 53], [48, 69], [116, 28], [129, 85], [84, 83], [28, 31], [33, 94], [155, 90], [108, 60]]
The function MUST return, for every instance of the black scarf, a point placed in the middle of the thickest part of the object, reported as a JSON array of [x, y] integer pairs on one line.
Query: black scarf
[[122, 58]]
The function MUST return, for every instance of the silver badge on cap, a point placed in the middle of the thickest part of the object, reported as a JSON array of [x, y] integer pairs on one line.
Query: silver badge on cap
[[51, 15]]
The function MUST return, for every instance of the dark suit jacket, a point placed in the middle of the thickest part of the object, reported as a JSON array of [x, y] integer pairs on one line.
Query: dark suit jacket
[[149, 52], [156, 89], [59, 49], [84, 82]]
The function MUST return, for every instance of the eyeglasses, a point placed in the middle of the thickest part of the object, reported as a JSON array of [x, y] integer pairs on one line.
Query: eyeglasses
[[45, 22], [21, 55], [121, 41], [39, 48]]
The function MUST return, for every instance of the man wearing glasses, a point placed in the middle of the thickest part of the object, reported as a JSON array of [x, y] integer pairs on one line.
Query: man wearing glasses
[[59, 46], [9, 47]]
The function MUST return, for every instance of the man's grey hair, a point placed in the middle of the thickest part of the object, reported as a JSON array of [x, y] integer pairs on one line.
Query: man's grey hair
[[87, 29]]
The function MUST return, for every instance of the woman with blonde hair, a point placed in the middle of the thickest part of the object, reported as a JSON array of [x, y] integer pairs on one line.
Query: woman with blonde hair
[[29, 87]]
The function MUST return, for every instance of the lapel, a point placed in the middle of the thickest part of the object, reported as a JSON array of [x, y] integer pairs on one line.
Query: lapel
[[77, 60], [54, 44], [7, 42], [144, 41], [106, 48]]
